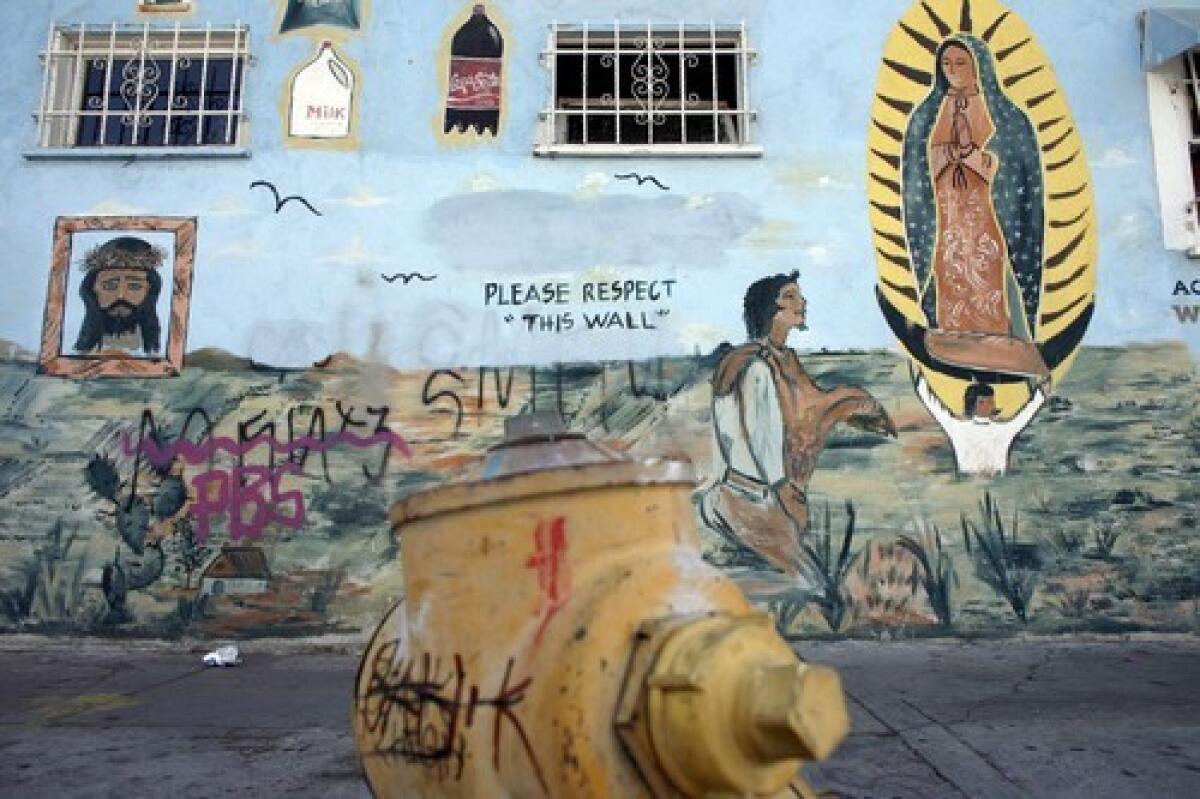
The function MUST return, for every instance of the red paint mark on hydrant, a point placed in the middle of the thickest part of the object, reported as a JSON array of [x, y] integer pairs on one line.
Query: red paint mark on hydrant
[[549, 558]]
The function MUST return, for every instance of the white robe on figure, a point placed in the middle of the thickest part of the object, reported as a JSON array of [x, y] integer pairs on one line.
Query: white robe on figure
[[755, 451], [981, 445]]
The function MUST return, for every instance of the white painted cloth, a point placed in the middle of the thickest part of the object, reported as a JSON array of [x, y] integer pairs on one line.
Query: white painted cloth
[[981, 445], [757, 449]]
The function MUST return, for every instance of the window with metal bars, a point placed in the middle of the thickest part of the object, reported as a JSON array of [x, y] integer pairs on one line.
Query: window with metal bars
[[1191, 66], [116, 86], [620, 89]]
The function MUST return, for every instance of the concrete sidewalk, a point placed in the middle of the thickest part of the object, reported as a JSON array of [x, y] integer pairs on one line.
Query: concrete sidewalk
[[932, 719]]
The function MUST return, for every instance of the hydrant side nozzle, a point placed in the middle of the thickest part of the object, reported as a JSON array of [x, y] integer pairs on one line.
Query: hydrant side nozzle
[[731, 710], [795, 711]]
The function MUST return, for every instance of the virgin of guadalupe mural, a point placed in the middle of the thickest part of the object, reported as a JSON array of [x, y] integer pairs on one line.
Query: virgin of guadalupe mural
[[982, 220], [973, 214]]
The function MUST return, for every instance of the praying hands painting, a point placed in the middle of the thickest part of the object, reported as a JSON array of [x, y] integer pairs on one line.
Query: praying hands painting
[[982, 217]]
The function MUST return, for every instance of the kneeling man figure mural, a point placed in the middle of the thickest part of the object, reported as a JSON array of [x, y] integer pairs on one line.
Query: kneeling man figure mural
[[771, 421]]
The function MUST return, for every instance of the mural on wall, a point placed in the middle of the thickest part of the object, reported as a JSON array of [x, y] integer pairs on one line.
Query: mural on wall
[[117, 302], [473, 89], [983, 221], [299, 14], [245, 500], [408, 277], [322, 97], [771, 422]]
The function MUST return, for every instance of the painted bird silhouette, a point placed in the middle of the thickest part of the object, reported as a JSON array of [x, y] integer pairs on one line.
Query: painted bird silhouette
[[640, 179], [408, 277], [280, 202]]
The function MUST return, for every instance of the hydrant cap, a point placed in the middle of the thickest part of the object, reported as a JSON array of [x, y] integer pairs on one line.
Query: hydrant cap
[[539, 456]]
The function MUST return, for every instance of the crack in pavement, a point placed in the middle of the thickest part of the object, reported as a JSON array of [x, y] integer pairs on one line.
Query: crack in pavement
[[1031, 673], [900, 736], [111, 671], [1030, 676], [950, 731]]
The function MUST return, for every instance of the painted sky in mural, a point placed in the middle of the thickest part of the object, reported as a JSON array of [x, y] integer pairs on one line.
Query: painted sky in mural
[[385, 212]]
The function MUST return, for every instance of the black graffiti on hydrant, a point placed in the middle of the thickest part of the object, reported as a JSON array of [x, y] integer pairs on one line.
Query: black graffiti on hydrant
[[419, 709]]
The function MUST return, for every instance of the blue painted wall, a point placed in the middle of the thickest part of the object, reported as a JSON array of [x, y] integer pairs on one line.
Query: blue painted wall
[[288, 289]]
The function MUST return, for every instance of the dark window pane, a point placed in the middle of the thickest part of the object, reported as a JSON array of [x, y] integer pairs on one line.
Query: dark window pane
[[601, 76], [699, 75], [668, 129], [730, 128], [601, 129], [634, 130], [140, 92], [571, 128], [569, 80], [700, 129], [727, 82], [1196, 168]]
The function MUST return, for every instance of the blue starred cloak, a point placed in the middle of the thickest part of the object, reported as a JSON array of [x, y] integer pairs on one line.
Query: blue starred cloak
[[1017, 189]]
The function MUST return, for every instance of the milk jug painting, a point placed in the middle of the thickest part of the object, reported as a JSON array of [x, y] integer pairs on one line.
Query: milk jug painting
[[322, 97]]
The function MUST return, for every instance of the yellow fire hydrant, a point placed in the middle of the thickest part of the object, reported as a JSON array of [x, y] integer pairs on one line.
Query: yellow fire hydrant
[[561, 636]]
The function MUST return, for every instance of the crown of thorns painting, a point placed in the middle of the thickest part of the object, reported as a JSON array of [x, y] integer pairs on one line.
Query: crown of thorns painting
[[117, 303]]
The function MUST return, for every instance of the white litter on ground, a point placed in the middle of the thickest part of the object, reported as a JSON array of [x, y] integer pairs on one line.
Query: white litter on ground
[[223, 656]]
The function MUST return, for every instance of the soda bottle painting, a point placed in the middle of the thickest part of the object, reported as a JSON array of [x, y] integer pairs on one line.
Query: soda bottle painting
[[473, 94]]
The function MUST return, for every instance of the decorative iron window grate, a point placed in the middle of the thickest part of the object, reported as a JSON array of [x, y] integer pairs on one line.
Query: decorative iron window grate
[[143, 86], [622, 89]]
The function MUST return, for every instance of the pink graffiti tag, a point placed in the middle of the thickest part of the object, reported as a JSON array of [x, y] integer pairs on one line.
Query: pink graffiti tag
[[251, 495], [554, 580], [221, 491]]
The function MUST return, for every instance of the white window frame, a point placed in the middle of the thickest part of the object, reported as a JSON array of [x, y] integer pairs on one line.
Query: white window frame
[[69, 48], [165, 6], [1170, 94], [639, 40]]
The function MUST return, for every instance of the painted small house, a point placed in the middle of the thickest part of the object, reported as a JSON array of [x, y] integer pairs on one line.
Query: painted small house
[[237, 570]]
